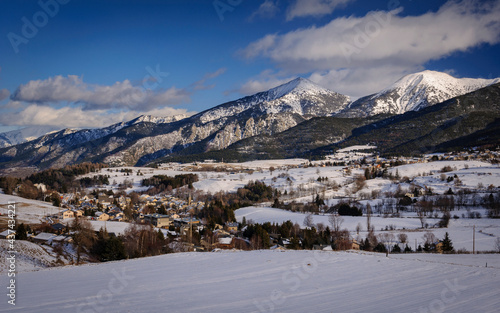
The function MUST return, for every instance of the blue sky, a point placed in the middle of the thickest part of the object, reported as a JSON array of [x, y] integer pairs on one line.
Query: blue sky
[[86, 63]]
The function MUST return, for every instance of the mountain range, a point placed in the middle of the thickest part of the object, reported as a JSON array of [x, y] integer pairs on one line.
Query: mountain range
[[298, 118]]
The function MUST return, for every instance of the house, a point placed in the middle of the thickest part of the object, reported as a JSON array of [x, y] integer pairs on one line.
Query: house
[[117, 217], [105, 199], [278, 247], [60, 239], [225, 243], [67, 214], [43, 237], [221, 233], [101, 216], [77, 212], [58, 227], [354, 245], [186, 221], [8, 234], [232, 227], [158, 220]]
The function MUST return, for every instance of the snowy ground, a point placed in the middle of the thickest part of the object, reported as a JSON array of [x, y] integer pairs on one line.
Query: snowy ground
[[460, 230], [31, 256], [303, 181], [112, 227], [266, 281], [27, 211]]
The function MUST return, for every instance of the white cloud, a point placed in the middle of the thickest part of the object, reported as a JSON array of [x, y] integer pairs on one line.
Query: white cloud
[[72, 117], [264, 81], [4, 94], [356, 55], [121, 95], [360, 82], [301, 8], [70, 102], [201, 84], [268, 9]]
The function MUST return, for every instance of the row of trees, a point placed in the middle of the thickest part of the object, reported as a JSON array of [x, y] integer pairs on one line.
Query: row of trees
[[139, 240], [161, 183], [56, 180]]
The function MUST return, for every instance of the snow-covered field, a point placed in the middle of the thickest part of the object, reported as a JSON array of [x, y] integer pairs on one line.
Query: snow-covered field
[[29, 256], [460, 230], [266, 281], [27, 211]]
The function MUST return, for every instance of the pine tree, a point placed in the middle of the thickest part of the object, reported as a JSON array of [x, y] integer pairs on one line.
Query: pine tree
[[21, 233], [447, 245]]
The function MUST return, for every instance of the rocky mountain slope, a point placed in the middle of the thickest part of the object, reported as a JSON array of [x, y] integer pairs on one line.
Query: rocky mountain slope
[[414, 92], [298, 118], [15, 137], [464, 121], [146, 138]]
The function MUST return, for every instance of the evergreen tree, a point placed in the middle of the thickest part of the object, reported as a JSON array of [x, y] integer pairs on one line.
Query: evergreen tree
[[380, 247], [21, 233], [396, 249], [447, 245], [294, 243]]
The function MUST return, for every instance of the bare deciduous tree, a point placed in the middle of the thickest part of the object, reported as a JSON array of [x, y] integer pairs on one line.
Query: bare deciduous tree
[[429, 238], [320, 227], [308, 220], [403, 238], [358, 228], [83, 237], [359, 183], [336, 222]]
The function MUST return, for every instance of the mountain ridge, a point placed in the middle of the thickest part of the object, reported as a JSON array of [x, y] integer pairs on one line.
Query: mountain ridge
[[230, 125], [414, 92]]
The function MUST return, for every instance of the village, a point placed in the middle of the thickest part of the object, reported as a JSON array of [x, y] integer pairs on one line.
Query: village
[[175, 212]]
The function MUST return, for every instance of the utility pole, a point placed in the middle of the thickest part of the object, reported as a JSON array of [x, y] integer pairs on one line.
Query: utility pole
[[474, 239]]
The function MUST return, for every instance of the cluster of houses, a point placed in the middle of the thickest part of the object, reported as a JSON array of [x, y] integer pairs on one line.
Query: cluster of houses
[[108, 208], [58, 235]]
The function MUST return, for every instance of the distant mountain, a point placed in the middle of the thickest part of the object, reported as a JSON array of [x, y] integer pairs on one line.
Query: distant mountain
[[469, 120], [414, 92], [464, 121], [156, 119], [147, 138], [15, 137], [298, 118]]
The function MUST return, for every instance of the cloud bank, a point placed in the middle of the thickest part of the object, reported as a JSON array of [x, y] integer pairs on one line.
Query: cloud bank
[[303, 8], [121, 95], [357, 47]]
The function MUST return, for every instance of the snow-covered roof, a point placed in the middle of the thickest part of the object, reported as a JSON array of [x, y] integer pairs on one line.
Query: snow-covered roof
[[44, 236], [225, 241]]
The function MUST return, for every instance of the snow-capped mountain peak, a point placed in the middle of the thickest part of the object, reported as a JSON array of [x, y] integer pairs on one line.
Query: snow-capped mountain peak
[[414, 92], [297, 86], [157, 119], [299, 96]]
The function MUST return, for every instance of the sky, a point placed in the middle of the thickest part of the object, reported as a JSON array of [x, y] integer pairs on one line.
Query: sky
[[86, 63]]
